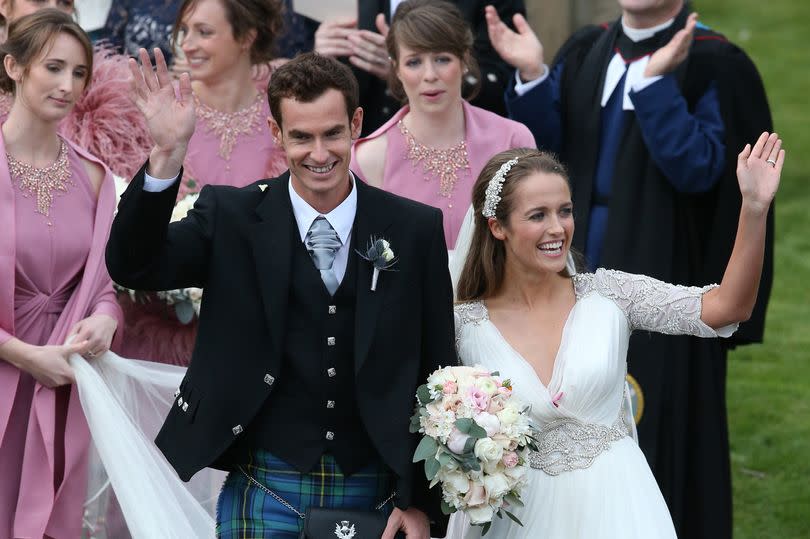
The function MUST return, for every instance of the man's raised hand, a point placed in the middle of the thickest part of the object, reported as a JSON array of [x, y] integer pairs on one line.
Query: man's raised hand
[[169, 115], [522, 49], [666, 59]]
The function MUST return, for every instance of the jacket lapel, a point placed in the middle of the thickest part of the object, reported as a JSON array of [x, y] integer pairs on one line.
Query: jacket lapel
[[371, 220], [271, 239]]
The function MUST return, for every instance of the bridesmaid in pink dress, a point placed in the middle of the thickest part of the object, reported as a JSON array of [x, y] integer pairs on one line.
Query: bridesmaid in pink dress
[[56, 206], [223, 43], [104, 120], [433, 149]]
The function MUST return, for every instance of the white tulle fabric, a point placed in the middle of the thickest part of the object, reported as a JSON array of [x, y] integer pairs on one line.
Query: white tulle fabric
[[125, 402], [617, 495]]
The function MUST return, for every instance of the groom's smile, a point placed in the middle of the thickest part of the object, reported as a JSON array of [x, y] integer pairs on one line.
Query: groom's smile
[[317, 139]]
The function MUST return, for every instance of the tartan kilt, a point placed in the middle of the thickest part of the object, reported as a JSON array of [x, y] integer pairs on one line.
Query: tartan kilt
[[245, 511]]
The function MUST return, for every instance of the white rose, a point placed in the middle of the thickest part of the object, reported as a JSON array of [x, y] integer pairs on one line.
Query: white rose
[[194, 294], [455, 482], [489, 423], [487, 385], [439, 377], [497, 485], [388, 255], [488, 450], [385, 244], [480, 514], [508, 415]]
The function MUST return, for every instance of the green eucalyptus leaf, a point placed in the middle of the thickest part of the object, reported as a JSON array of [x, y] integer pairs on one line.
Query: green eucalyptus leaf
[[432, 467], [426, 449], [486, 527], [476, 431], [184, 311], [446, 509], [513, 517], [511, 499], [423, 394], [464, 424]]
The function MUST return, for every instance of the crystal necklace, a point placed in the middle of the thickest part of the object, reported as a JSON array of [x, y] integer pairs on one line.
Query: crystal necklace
[[42, 182], [445, 164], [228, 126]]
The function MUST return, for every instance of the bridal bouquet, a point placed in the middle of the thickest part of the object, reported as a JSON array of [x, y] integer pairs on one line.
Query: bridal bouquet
[[476, 442], [186, 301]]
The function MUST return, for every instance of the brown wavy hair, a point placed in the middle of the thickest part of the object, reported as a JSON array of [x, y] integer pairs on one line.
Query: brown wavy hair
[[262, 16], [431, 26], [307, 77], [482, 275], [33, 35]]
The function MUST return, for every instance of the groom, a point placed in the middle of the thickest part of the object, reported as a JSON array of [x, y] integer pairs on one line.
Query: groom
[[303, 376]]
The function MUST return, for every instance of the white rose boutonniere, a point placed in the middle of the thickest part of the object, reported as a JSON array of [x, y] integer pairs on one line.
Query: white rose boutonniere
[[381, 256]]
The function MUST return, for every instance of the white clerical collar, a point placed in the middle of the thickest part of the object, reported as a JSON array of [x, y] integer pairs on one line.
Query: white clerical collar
[[341, 218], [638, 34]]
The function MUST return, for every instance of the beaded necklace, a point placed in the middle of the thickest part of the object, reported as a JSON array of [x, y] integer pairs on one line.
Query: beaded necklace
[[445, 164], [228, 126], [42, 182]]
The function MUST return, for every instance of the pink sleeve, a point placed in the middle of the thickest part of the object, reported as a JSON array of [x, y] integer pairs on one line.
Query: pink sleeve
[[523, 138], [5, 336]]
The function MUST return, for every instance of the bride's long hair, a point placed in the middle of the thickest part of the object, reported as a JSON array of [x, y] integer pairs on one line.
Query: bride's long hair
[[483, 270]]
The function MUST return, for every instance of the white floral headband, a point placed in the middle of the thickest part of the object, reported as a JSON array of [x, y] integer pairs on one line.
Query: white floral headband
[[493, 193]]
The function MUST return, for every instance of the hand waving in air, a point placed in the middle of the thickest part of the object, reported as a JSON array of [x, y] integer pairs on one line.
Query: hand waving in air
[[758, 171], [169, 114], [522, 49], [671, 55]]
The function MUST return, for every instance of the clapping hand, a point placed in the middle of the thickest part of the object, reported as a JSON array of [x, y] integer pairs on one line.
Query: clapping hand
[[758, 171], [671, 55], [169, 116], [522, 49], [369, 52]]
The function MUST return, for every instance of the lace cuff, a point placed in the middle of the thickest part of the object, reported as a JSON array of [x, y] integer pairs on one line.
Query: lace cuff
[[653, 305]]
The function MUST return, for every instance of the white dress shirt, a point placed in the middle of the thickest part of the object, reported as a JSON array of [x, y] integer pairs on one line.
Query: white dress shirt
[[341, 218], [635, 80]]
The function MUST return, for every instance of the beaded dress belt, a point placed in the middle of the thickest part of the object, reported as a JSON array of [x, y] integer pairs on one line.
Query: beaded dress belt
[[568, 444]]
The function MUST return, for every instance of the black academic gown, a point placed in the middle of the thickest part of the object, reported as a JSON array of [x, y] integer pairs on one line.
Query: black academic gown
[[679, 238]]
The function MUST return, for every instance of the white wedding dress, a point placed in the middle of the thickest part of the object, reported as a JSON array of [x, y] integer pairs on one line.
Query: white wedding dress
[[589, 480]]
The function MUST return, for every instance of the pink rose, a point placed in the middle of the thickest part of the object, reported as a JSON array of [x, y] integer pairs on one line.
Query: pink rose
[[449, 387], [478, 399], [510, 459], [495, 405], [506, 391], [476, 495]]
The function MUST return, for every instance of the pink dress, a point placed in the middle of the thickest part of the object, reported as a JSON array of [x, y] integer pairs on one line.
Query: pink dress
[[486, 134], [226, 149], [51, 277]]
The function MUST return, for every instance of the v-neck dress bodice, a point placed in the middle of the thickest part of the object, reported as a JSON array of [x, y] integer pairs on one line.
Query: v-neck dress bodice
[[590, 479]]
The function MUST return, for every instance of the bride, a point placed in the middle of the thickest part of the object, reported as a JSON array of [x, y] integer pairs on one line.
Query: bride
[[562, 337]]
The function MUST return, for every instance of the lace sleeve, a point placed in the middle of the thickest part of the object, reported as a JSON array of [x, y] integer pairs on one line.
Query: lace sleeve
[[654, 305]]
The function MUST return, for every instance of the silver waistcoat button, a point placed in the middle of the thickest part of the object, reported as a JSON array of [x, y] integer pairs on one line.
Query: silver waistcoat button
[[237, 430], [268, 379], [331, 372], [330, 435], [330, 341], [180, 402], [185, 407], [330, 404], [332, 309]]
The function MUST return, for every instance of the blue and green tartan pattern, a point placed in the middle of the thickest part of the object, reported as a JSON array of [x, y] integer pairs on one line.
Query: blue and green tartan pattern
[[245, 511]]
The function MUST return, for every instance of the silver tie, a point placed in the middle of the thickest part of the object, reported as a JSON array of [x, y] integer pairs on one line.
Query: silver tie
[[323, 243]]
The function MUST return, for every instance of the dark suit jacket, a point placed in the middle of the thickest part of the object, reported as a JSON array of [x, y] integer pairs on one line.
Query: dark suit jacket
[[236, 244], [379, 106]]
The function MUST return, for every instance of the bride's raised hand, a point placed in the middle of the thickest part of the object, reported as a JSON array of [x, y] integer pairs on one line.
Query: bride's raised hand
[[522, 49], [759, 169], [169, 115]]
